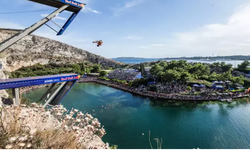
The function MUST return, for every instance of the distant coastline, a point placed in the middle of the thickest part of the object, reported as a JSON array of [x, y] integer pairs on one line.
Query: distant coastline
[[137, 60], [203, 58]]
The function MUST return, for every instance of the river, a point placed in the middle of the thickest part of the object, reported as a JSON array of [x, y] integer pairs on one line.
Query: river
[[128, 118]]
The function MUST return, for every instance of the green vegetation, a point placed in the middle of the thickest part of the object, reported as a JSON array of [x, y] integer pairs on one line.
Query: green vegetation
[[103, 73], [119, 81], [236, 57], [189, 88], [51, 69], [198, 72], [104, 78], [142, 68], [244, 67], [114, 147]]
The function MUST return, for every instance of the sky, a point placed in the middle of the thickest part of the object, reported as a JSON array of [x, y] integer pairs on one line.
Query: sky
[[144, 28]]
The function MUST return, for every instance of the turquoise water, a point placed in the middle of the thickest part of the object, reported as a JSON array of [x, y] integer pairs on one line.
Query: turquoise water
[[126, 117]]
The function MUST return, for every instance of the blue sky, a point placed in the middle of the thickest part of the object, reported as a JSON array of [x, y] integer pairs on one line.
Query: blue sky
[[146, 28]]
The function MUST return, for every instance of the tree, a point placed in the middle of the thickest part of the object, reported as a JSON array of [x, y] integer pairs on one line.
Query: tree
[[157, 71], [216, 64], [225, 76], [240, 80], [185, 76], [222, 64], [244, 65], [163, 64], [199, 70], [226, 68], [96, 69], [103, 73], [76, 68], [247, 83], [142, 68], [213, 77], [171, 75]]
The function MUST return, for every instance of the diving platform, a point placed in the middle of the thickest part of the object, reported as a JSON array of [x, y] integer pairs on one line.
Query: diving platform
[[61, 5], [51, 96], [74, 6]]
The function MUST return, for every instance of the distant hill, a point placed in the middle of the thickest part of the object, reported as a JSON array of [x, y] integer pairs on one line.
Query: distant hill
[[234, 57], [132, 58]]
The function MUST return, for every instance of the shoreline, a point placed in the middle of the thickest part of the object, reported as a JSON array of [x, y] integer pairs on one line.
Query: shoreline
[[30, 88], [159, 96], [153, 95]]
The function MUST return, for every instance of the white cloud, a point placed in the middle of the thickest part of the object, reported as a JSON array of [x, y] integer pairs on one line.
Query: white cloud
[[88, 9], [134, 38], [127, 5], [132, 3], [94, 11], [230, 38], [57, 17], [10, 25]]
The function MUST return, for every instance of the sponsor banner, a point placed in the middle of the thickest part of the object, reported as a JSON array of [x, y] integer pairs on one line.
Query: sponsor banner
[[77, 77], [74, 3], [48, 81], [56, 80], [70, 78], [64, 79]]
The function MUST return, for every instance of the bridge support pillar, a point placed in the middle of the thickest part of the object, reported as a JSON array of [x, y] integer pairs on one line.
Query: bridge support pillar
[[16, 96], [47, 101], [48, 92]]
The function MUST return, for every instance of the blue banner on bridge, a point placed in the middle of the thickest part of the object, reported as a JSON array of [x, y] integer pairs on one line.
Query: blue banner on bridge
[[30, 81]]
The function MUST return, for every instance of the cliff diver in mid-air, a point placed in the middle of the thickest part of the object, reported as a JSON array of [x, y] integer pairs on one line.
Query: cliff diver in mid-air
[[99, 43]]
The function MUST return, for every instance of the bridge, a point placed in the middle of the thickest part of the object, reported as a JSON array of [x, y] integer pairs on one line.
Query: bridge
[[51, 96]]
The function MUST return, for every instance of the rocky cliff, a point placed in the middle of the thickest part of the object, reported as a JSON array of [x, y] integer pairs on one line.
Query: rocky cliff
[[35, 49]]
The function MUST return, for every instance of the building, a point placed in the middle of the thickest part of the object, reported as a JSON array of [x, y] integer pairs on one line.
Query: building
[[125, 74], [147, 72]]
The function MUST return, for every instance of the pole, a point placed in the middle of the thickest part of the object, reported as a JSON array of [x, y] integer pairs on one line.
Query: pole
[[16, 96]]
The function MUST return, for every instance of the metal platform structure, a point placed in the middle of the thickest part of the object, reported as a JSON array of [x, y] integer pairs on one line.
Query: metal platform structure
[[51, 96], [61, 5]]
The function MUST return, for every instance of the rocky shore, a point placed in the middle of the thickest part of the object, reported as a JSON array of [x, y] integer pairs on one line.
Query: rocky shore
[[164, 96], [30, 88]]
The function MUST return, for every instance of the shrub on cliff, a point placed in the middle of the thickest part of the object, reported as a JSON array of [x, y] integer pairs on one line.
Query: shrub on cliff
[[55, 128]]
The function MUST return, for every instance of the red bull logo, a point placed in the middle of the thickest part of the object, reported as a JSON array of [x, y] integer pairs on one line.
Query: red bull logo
[[70, 78], [81, 5], [77, 77], [63, 79], [73, 3]]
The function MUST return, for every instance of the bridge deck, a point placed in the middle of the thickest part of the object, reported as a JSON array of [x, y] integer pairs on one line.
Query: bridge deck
[[29, 81], [74, 5]]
